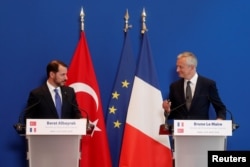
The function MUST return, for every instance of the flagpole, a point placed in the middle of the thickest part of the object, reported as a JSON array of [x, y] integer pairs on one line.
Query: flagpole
[[145, 128], [81, 76], [126, 17], [144, 27], [82, 14]]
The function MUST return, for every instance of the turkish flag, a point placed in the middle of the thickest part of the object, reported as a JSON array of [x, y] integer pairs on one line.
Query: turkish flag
[[81, 76]]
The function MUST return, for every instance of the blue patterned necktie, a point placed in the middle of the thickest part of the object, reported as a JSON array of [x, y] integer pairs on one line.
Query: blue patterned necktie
[[58, 103]]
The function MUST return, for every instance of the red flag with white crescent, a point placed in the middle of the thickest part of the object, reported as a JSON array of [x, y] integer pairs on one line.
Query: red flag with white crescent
[[81, 76]]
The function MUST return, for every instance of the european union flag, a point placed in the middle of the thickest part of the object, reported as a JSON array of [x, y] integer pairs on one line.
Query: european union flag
[[118, 105]]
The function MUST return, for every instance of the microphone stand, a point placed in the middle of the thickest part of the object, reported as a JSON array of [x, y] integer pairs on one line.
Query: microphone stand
[[20, 127], [166, 129], [89, 127], [234, 125]]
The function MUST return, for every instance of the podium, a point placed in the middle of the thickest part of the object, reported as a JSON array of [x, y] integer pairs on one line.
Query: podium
[[194, 138], [54, 142]]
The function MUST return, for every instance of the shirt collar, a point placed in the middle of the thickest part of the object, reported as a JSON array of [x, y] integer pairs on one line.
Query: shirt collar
[[51, 87], [193, 79]]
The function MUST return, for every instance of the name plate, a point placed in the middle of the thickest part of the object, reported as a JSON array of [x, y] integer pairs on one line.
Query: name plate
[[56, 126], [202, 128]]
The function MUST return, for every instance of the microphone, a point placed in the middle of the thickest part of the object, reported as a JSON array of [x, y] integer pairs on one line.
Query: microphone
[[20, 126], [165, 128], [89, 127], [234, 125]]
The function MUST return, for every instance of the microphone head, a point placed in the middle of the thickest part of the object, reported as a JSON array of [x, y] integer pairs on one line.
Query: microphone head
[[90, 127], [165, 129], [235, 126], [20, 128]]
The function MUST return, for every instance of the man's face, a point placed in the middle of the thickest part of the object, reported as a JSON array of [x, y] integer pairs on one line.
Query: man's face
[[184, 71], [60, 77]]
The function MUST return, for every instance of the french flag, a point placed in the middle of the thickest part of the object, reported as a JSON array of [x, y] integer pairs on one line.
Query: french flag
[[142, 145]]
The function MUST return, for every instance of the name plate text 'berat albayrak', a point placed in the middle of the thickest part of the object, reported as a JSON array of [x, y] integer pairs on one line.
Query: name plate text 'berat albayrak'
[[56, 127], [202, 127]]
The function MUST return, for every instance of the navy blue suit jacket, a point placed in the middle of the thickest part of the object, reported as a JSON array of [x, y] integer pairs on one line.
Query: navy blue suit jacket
[[206, 93], [44, 106]]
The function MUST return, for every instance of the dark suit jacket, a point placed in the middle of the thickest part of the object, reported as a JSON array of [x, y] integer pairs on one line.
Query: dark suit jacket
[[43, 105], [206, 93]]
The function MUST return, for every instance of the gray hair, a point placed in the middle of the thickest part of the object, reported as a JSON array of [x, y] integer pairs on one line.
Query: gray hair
[[190, 57]]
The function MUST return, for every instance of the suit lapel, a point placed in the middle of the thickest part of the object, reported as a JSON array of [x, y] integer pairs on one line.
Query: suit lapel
[[197, 90], [182, 91], [64, 99], [48, 99]]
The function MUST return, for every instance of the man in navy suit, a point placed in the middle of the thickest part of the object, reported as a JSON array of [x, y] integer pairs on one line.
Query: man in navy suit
[[203, 93], [41, 101]]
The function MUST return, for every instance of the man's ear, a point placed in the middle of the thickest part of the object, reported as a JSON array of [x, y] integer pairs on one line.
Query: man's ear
[[52, 74], [192, 67]]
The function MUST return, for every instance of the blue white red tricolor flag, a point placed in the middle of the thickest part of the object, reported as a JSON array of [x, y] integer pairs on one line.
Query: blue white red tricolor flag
[[142, 144]]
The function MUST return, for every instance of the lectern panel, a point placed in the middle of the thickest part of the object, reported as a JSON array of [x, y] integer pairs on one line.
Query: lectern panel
[[193, 151], [53, 151]]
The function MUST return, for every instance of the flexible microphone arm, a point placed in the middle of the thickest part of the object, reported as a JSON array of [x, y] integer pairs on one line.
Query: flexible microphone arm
[[90, 127], [20, 126], [165, 128], [234, 125], [178, 107]]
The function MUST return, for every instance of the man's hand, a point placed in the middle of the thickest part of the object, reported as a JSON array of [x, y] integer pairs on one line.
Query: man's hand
[[166, 106]]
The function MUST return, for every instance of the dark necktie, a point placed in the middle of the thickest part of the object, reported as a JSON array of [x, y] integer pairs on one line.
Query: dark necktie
[[188, 95], [58, 103]]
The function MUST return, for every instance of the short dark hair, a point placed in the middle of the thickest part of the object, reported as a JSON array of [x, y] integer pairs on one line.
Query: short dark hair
[[53, 66]]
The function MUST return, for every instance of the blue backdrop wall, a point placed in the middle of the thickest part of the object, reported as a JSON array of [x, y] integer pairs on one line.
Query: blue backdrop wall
[[34, 32]]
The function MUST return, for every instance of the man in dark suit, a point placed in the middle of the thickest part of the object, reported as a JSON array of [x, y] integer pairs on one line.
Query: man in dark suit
[[203, 93], [42, 100]]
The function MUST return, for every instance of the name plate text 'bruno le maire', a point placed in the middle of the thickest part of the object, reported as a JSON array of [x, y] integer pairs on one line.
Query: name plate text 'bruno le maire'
[[202, 127]]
